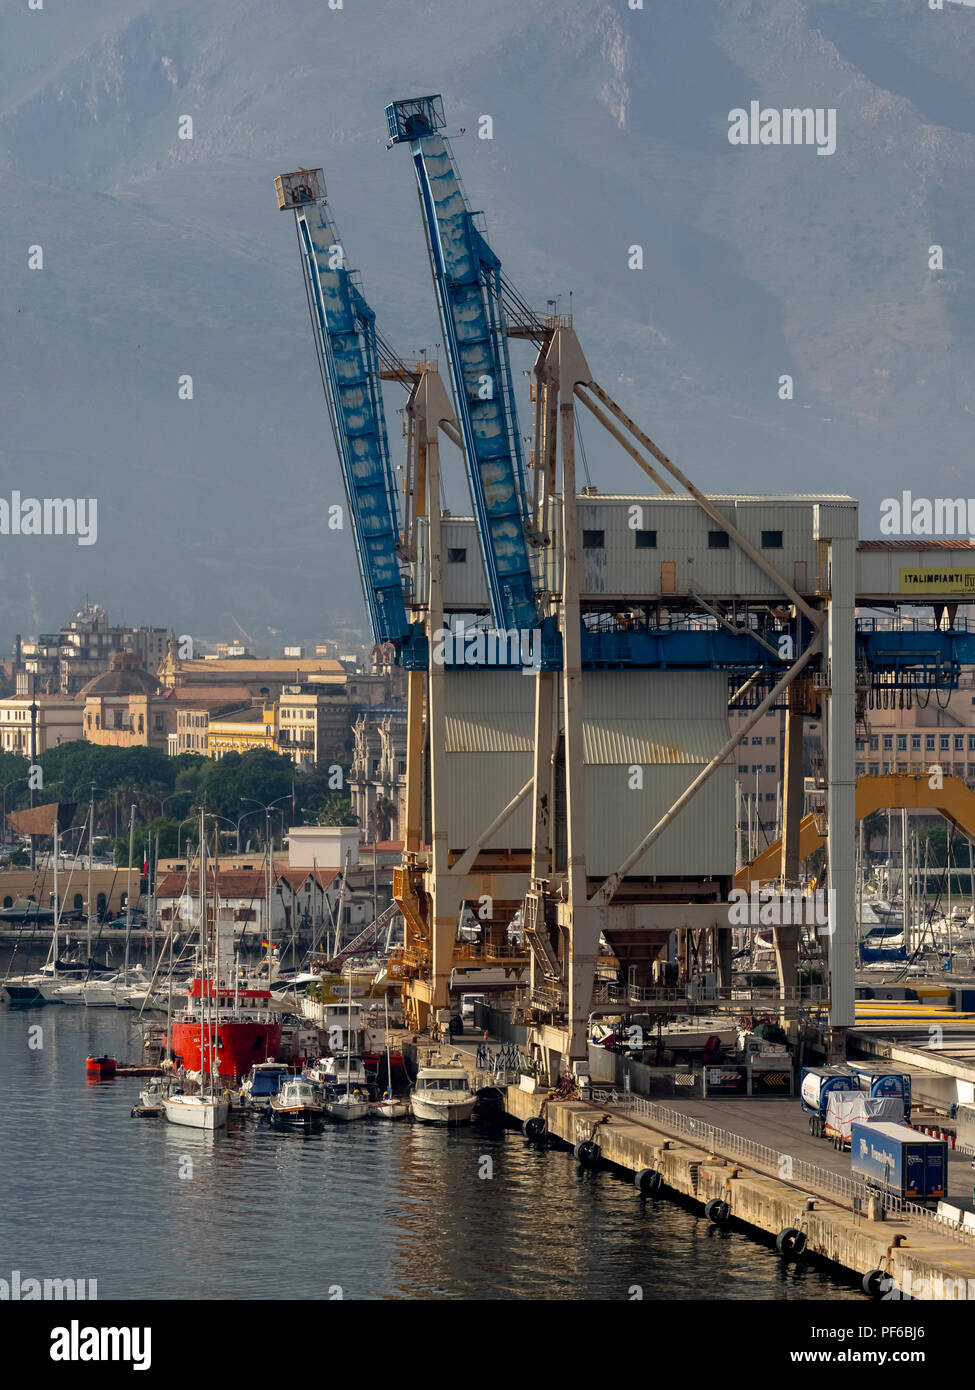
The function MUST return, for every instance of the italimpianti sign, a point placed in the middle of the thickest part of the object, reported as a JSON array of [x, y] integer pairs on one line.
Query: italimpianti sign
[[954, 581]]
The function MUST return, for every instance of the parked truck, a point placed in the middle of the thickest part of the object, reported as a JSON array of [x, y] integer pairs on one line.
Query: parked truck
[[883, 1082], [843, 1108], [814, 1090], [900, 1161], [965, 1129]]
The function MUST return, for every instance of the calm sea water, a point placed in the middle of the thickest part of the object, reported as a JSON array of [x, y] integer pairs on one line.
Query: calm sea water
[[377, 1210]]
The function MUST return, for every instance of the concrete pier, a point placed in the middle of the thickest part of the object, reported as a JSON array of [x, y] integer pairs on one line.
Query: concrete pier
[[921, 1260]]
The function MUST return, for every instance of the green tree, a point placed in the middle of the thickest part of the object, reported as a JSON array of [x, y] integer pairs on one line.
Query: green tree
[[337, 810]]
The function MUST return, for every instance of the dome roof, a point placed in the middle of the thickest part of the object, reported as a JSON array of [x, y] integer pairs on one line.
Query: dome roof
[[124, 677]]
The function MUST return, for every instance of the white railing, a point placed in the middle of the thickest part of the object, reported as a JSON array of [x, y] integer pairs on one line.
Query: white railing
[[782, 1166]]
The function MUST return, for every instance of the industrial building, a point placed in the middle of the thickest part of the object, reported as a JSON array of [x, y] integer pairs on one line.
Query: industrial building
[[582, 668]]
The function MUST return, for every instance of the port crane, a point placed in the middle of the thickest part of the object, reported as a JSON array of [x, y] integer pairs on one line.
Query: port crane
[[348, 355], [467, 276]]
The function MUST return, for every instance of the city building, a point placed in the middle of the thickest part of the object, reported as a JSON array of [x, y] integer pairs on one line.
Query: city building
[[315, 724], [377, 784], [59, 720], [240, 730], [64, 661], [264, 677], [121, 708]]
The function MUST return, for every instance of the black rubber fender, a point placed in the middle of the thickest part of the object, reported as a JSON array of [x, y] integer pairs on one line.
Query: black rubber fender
[[648, 1180], [790, 1241], [875, 1283], [533, 1128], [587, 1153], [717, 1211]]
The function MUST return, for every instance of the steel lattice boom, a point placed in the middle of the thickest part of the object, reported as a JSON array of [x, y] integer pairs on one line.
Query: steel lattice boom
[[467, 275]]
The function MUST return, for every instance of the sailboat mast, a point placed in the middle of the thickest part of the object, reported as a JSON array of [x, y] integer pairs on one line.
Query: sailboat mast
[[57, 914], [203, 949], [91, 829], [215, 1023], [128, 890]]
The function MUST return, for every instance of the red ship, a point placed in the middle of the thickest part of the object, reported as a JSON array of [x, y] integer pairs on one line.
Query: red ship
[[240, 1023]]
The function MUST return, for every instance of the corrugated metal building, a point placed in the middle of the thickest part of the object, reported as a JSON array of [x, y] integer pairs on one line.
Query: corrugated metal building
[[646, 735]]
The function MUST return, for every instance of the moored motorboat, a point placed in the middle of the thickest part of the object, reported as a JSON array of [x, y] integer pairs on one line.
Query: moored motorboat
[[442, 1096], [295, 1104], [264, 1082]]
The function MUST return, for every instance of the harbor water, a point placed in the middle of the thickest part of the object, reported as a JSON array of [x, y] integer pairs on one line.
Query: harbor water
[[368, 1211]]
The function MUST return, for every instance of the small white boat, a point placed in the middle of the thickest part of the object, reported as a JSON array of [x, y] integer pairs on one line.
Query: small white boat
[[352, 1105], [389, 1108], [338, 1071], [442, 1096], [200, 1112], [296, 1103]]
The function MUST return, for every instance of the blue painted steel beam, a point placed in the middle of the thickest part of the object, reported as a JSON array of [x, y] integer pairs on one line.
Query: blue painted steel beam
[[345, 326], [467, 274]]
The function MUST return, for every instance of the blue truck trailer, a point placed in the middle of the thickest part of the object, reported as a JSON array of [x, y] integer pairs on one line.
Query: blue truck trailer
[[899, 1160]]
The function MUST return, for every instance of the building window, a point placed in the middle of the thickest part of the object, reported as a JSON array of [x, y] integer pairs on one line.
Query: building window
[[647, 540], [916, 742], [770, 767], [593, 540], [456, 555], [756, 741], [888, 741], [959, 743], [771, 540], [770, 741], [945, 743], [874, 743], [874, 769], [718, 540], [859, 769], [901, 743], [929, 742]]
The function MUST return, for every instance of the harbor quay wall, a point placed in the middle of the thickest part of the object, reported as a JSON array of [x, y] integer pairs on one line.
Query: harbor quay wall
[[928, 1265]]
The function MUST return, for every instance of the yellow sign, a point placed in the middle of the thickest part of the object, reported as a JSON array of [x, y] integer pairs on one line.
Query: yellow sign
[[947, 581]]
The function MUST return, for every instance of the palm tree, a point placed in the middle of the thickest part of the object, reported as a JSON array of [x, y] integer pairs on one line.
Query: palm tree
[[381, 818]]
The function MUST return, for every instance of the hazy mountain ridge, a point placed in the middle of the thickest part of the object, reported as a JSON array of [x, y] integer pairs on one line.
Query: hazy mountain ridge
[[165, 257]]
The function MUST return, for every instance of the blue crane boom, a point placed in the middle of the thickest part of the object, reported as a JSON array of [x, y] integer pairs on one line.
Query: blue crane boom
[[467, 275], [345, 336]]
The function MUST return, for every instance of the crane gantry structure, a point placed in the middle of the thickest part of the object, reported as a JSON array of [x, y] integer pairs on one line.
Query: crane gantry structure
[[580, 777]]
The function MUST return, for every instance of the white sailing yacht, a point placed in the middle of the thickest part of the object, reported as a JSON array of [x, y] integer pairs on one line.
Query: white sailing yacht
[[389, 1108], [204, 1109], [353, 1104]]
